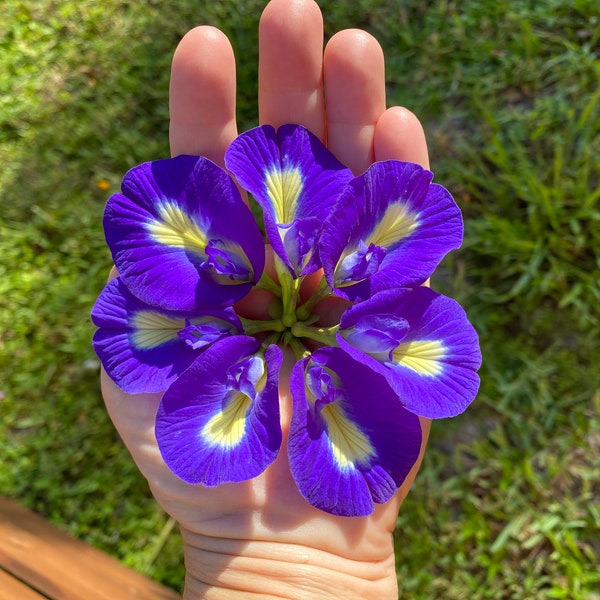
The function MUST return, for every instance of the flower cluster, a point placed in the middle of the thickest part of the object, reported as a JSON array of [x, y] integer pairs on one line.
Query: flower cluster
[[373, 348]]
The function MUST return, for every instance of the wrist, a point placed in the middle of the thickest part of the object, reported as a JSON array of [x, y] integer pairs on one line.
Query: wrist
[[230, 569]]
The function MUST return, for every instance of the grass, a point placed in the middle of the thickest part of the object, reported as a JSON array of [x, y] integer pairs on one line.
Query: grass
[[504, 507]]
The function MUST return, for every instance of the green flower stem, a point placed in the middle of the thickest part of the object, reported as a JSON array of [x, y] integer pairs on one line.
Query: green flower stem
[[322, 291], [252, 326], [324, 335], [269, 285], [298, 348], [289, 292], [272, 338], [275, 308]]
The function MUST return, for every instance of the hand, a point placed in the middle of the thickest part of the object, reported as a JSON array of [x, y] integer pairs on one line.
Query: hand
[[260, 537]]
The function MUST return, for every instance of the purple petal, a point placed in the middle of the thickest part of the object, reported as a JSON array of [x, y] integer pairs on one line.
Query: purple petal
[[181, 237], [360, 264], [390, 228], [207, 329], [433, 367], [221, 260], [377, 334], [245, 375], [138, 345], [293, 176], [299, 238], [219, 422], [351, 443]]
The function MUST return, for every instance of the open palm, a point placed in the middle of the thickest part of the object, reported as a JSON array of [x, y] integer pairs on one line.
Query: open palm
[[260, 538]]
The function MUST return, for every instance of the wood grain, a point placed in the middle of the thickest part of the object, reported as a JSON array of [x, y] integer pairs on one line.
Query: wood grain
[[37, 555]]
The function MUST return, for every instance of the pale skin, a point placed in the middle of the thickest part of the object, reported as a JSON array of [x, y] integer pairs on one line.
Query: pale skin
[[260, 539]]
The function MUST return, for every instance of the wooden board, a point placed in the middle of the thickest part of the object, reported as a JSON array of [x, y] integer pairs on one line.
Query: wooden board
[[37, 555], [14, 589]]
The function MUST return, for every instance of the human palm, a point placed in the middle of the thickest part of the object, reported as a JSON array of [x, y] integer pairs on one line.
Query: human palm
[[260, 537]]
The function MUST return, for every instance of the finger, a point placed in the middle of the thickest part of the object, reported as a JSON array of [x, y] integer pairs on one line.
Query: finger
[[290, 64], [202, 95], [113, 274], [400, 136], [354, 74]]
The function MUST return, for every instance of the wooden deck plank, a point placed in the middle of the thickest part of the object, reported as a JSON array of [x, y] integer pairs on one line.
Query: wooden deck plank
[[60, 566], [14, 589]]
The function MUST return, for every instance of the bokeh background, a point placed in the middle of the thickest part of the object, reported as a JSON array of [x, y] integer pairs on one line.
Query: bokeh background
[[506, 505]]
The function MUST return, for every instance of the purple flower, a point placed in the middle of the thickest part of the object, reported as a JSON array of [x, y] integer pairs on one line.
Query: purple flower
[[422, 343], [181, 236], [219, 421], [296, 181], [351, 442], [389, 228], [188, 249], [144, 349]]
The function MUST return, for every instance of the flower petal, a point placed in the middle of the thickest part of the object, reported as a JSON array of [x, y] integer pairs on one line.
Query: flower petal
[[293, 176], [138, 345], [433, 367], [351, 443], [181, 236], [144, 349], [219, 422], [377, 334], [390, 228]]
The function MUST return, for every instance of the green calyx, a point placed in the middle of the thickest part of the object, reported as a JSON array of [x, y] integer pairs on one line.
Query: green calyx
[[292, 323]]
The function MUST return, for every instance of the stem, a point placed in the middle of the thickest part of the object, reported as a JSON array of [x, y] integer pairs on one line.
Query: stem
[[324, 335], [272, 338], [322, 291], [268, 284], [252, 326], [298, 348], [289, 292]]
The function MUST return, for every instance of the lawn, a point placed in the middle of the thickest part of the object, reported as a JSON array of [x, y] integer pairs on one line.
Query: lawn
[[506, 505]]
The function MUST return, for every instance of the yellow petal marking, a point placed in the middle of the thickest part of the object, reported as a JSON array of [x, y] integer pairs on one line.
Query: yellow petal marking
[[151, 329], [397, 223], [348, 443], [284, 187], [423, 357], [175, 228], [227, 427]]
